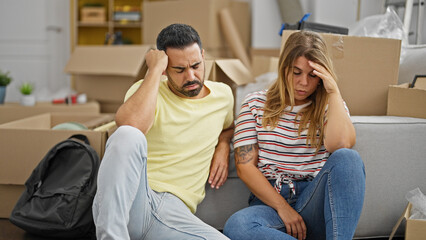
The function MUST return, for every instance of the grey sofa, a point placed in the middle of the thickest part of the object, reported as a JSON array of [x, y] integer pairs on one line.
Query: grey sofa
[[394, 153]]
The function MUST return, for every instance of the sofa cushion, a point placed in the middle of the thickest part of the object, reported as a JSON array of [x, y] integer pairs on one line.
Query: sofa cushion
[[394, 153]]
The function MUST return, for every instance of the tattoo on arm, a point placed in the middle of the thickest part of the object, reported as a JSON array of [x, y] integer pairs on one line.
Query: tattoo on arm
[[245, 154]]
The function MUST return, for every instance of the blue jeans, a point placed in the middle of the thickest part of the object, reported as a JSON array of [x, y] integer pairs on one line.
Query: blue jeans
[[125, 207], [330, 204]]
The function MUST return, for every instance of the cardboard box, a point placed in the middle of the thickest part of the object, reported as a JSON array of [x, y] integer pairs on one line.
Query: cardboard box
[[93, 15], [271, 52], [105, 73], [406, 102], [202, 15], [415, 229], [230, 71], [14, 111], [365, 68], [264, 64], [9, 195], [24, 143]]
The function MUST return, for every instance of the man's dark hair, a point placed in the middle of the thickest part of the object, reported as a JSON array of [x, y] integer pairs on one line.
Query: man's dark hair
[[177, 36]]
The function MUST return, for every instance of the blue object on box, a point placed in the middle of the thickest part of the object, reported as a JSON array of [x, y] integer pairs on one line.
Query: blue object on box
[[311, 26]]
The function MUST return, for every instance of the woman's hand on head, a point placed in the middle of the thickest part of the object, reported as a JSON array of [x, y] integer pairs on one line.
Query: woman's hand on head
[[329, 82]]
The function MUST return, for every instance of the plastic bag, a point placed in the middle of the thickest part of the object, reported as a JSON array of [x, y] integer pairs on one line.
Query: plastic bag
[[387, 25], [418, 200]]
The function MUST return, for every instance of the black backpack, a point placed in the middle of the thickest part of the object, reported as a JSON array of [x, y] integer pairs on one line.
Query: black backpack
[[57, 201]]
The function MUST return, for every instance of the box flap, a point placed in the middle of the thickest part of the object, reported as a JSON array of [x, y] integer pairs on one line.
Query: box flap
[[107, 60], [41, 121], [404, 85], [404, 216], [235, 70], [420, 82], [14, 110], [208, 69]]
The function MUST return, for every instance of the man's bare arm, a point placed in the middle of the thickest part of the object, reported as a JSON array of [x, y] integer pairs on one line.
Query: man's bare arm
[[220, 162], [139, 110]]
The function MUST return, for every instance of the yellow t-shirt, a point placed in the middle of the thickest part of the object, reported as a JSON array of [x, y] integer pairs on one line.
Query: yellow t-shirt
[[183, 138]]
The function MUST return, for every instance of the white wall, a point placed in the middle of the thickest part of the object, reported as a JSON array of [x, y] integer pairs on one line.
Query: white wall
[[266, 23], [34, 46]]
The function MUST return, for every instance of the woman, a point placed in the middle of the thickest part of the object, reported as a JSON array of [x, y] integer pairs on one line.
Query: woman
[[292, 151]]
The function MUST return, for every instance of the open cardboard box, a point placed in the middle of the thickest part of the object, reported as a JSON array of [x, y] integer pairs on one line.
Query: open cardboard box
[[415, 229], [407, 101], [230, 71], [365, 67], [24, 143], [105, 73], [13, 111], [203, 16]]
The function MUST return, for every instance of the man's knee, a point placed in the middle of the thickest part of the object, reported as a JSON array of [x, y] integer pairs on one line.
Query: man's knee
[[127, 138]]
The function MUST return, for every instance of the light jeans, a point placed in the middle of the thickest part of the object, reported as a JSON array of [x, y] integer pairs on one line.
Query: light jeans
[[330, 204], [125, 207]]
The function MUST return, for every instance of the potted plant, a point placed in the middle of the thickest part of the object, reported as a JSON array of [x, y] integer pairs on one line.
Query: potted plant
[[27, 99], [5, 79]]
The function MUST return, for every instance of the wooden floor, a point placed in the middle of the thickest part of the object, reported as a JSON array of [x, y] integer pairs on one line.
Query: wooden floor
[[8, 231]]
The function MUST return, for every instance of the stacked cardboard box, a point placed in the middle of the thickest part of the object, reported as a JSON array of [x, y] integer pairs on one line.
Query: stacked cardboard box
[[105, 73], [203, 16], [93, 15], [14, 111], [408, 100]]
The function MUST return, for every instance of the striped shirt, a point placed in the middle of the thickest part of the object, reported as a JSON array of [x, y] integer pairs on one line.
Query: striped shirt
[[283, 155]]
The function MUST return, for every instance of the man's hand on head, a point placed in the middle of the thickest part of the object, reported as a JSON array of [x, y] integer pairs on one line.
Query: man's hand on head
[[157, 60]]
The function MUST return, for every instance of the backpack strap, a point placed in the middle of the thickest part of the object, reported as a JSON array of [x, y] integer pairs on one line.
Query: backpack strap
[[81, 137]]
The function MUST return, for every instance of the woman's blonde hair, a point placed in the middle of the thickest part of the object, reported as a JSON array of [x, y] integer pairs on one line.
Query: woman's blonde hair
[[281, 93]]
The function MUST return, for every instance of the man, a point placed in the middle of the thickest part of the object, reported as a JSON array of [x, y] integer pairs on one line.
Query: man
[[173, 136]]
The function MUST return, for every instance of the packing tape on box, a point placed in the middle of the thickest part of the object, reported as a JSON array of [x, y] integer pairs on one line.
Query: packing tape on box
[[338, 47]]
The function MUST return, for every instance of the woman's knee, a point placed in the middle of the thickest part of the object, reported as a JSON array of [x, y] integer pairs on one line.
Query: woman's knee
[[236, 226], [347, 161], [234, 222], [348, 157]]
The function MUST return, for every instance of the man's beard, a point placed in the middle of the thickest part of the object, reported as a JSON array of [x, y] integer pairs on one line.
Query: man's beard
[[190, 93]]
